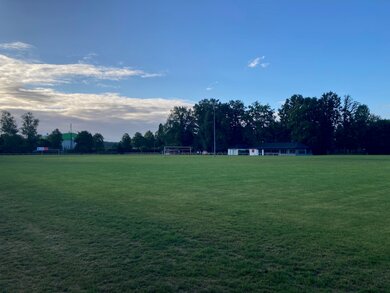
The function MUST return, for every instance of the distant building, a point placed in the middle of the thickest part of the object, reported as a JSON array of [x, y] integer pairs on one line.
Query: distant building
[[68, 142], [284, 149], [273, 149], [243, 151]]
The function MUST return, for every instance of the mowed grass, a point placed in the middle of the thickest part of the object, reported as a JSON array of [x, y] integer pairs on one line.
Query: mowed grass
[[176, 223]]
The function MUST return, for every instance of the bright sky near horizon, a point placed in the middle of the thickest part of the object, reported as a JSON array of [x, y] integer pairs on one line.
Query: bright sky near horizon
[[120, 66]]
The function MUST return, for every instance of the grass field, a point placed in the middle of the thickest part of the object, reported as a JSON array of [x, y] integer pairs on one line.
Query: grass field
[[154, 223]]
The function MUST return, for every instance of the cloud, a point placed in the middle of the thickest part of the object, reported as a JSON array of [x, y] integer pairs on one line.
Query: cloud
[[26, 72], [264, 65], [253, 63], [88, 107], [258, 61], [114, 113], [32, 86], [20, 46], [211, 86], [148, 75], [88, 58]]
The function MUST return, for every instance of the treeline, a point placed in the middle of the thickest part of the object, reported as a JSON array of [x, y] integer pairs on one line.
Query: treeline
[[329, 124], [26, 138], [14, 140]]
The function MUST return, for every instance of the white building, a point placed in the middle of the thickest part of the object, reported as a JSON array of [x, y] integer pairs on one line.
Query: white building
[[273, 149], [68, 142]]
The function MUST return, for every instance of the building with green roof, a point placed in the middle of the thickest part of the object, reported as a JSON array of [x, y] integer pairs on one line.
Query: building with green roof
[[68, 142]]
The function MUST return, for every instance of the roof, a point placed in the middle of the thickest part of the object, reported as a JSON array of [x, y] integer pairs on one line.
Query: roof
[[240, 147], [69, 136], [283, 145]]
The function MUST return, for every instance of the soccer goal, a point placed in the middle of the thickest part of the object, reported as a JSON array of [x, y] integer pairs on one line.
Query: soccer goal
[[177, 150]]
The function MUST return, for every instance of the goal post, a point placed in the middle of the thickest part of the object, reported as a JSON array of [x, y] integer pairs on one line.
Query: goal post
[[177, 150]]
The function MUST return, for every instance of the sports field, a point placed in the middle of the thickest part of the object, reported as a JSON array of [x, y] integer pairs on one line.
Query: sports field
[[155, 223]]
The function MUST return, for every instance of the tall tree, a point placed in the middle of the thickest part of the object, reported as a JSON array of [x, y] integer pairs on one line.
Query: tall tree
[[10, 141], [160, 136], [149, 140], [125, 143], [138, 141], [329, 117], [204, 112], [55, 139], [260, 121], [180, 127], [8, 123], [235, 116], [84, 142], [299, 119], [346, 139], [98, 142], [29, 129], [363, 119]]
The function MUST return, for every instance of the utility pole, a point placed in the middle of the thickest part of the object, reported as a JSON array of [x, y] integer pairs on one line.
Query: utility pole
[[215, 144]]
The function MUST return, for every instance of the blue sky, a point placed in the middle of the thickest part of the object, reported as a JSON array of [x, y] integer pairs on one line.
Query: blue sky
[[178, 52]]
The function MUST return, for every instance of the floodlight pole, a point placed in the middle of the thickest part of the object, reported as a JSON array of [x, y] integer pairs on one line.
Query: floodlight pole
[[215, 148], [71, 137]]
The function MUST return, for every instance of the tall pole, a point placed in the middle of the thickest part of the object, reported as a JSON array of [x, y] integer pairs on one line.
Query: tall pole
[[71, 137], [215, 145]]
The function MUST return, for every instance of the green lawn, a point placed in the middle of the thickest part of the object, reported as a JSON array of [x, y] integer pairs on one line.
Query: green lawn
[[155, 223]]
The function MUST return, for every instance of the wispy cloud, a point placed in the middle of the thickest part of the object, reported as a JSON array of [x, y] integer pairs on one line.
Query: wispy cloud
[[258, 61], [25, 72], [20, 46], [211, 86], [264, 65], [148, 75], [32, 86], [253, 63], [88, 58], [89, 107]]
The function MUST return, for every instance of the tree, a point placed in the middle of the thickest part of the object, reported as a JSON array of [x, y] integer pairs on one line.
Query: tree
[[125, 143], [378, 137], [43, 142], [55, 139], [299, 120], [180, 127], [29, 129], [346, 139], [363, 119], [235, 117], [98, 142], [8, 124], [10, 141], [12, 144], [160, 137], [260, 121], [138, 141], [149, 140], [312, 121], [204, 125], [204, 116], [329, 117], [84, 142]]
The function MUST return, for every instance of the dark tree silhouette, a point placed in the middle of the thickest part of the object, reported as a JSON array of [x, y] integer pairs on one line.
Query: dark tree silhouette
[[84, 142]]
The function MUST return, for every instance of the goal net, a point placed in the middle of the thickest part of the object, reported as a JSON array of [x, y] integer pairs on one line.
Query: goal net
[[177, 150]]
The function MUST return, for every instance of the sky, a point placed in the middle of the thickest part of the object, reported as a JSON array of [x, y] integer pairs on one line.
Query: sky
[[120, 66]]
